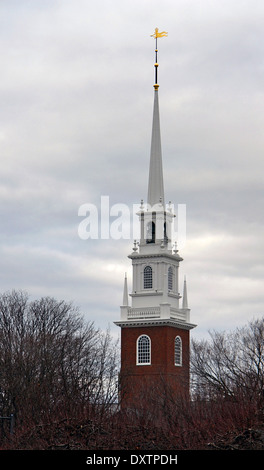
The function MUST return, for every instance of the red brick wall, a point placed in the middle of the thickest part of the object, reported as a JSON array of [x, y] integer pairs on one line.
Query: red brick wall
[[135, 377]]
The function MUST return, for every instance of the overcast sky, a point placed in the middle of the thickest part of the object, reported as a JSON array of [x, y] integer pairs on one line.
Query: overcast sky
[[76, 94]]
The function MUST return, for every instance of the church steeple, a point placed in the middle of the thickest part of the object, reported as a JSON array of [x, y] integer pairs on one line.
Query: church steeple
[[155, 183], [155, 287], [154, 327]]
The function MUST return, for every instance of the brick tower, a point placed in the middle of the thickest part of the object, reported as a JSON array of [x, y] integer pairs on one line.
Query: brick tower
[[155, 328]]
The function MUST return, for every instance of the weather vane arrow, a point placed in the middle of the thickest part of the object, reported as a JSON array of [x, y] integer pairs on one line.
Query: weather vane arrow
[[157, 35]]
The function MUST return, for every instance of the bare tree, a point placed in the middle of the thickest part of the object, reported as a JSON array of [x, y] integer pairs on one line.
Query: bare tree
[[51, 360], [230, 363]]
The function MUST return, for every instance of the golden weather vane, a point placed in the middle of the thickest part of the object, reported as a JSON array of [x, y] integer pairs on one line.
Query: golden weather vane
[[157, 35]]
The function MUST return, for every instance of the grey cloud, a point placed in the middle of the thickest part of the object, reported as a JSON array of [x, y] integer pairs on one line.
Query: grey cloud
[[75, 124]]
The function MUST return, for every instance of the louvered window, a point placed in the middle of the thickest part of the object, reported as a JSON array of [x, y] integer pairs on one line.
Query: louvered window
[[170, 278], [178, 351]]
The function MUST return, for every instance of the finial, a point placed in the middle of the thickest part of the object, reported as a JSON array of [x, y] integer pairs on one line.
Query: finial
[[184, 297], [125, 293], [175, 248], [135, 248], [157, 35]]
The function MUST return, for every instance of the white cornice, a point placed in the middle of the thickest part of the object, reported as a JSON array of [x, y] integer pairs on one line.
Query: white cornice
[[155, 255], [160, 322]]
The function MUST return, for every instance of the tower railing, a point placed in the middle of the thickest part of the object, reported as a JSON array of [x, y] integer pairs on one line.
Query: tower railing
[[149, 312], [162, 311]]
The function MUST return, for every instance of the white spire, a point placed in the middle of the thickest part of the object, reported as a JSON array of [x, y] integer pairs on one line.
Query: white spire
[[125, 293], [155, 184], [184, 297]]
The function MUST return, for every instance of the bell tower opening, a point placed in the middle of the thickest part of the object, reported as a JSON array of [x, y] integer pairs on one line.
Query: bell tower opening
[[151, 232]]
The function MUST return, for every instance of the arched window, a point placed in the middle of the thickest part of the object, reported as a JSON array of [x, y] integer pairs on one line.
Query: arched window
[[170, 278], [148, 277], [178, 351], [143, 350]]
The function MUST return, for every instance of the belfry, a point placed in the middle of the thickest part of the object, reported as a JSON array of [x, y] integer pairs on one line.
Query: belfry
[[155, 327]]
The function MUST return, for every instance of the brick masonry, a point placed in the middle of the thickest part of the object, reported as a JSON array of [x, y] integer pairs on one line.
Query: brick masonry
[[135, 378]]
